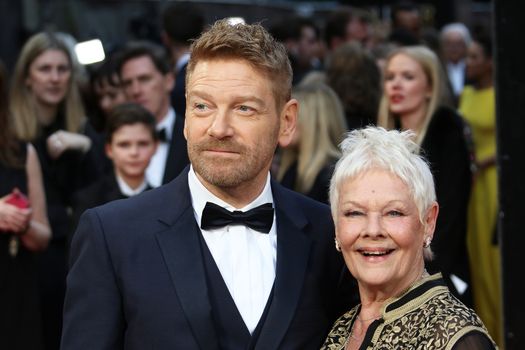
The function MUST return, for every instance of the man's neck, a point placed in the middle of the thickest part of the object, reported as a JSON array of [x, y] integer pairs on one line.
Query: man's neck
[[163, 112]]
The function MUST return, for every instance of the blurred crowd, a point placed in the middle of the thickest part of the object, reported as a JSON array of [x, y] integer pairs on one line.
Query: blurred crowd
[[75, 137]]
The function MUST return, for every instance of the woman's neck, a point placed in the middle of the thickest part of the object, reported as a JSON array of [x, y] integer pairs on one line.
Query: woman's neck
[[484, 82], [373, 298], [413, 120], [46, 114]]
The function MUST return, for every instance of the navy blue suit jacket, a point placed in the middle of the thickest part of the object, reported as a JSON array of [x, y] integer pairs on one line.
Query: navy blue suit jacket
[[137, 279], [178, 151]]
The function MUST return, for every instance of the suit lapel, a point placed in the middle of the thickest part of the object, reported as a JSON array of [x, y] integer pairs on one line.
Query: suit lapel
[[293, 248], [181, 251]]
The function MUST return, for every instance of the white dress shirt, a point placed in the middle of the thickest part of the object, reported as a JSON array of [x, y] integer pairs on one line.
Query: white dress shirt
[[157, 164], [128, 191], [245, 258], [456, 75]]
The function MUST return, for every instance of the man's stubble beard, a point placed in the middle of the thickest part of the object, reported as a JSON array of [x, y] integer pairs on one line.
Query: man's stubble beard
[[229, 173]]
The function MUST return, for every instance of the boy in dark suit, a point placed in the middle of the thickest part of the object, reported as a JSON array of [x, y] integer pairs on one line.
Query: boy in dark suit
[[131, 141]]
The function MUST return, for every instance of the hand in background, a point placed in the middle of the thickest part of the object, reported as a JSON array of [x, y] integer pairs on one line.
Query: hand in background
[[61, 141], [13, 219]]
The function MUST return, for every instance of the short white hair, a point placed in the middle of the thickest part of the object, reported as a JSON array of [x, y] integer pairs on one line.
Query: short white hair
[[392, 150], [459, 28]]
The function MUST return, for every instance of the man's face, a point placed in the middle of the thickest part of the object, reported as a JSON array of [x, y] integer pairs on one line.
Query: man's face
[[454, 47], [308, 45], [144, 84], [233, 124]]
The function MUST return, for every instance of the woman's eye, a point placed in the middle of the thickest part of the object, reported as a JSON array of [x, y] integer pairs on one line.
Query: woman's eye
[[395, 213], [352, 213]]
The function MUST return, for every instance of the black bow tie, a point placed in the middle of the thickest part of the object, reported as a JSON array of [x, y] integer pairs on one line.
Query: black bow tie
[[162, 136], [259, 218]]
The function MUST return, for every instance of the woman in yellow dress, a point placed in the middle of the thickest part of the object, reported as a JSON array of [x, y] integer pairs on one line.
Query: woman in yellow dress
[[477, 106]]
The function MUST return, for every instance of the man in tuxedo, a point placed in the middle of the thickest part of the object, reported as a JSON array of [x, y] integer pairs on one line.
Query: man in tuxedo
[[222, 257], [148, 80], [181, 22]]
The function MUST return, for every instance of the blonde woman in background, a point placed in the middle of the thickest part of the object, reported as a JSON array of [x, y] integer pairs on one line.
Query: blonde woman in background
[[47, 111], [415, 97], [306, 165]]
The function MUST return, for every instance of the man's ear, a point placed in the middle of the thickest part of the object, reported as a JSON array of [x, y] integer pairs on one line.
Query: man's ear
[[288, 122], [169, 81], [108, 150]]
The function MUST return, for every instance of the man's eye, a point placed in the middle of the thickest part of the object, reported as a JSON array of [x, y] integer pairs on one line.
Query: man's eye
[[200, 106], [244, 108]]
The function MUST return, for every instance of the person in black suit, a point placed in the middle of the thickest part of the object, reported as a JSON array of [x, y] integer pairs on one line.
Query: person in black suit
[[131, 141], [147, 79], [222, 257], [181, 22]]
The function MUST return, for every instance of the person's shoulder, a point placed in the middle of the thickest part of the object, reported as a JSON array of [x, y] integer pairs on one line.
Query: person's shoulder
[[452, 311], [446, 124]]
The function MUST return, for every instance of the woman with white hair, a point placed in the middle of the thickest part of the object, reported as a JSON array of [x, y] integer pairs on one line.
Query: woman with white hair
[[385, 210]]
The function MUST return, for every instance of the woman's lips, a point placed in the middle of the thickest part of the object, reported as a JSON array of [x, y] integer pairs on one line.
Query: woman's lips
[[375, 254], [396, 98]]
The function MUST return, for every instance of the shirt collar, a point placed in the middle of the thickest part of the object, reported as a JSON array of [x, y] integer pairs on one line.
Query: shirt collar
[[128, 191], [167, 123], [200, 195]]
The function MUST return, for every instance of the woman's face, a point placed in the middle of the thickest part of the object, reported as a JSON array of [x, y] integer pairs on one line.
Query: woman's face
[[406, 86], [478, 64], [380, 233], [109, 96], [48, 77]]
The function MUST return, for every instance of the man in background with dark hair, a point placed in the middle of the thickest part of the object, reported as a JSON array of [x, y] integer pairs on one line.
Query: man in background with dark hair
[[300, 37], [148, 80], [347, 24], [181, 22]]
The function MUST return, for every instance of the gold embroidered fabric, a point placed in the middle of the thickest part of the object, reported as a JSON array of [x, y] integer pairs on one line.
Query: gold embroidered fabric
[[427, 316]]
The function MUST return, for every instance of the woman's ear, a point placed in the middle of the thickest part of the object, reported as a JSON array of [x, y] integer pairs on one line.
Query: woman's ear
[[430, 219]]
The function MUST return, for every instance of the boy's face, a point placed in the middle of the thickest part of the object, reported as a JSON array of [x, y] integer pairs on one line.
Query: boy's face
[[131, 149]]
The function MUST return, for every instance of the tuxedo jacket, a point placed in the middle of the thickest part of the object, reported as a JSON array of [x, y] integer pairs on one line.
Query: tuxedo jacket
[[103, 191], [178, 94], [137, 278], [178, 152]]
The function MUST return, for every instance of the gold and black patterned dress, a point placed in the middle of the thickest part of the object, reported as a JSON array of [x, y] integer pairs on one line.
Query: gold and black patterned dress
[[427, 316]]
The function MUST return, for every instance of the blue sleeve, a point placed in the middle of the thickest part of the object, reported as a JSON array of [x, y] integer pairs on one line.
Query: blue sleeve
[[93, 313]]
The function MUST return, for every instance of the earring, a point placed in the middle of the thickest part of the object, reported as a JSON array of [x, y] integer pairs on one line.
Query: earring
[[337, 246], [427, 242]]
